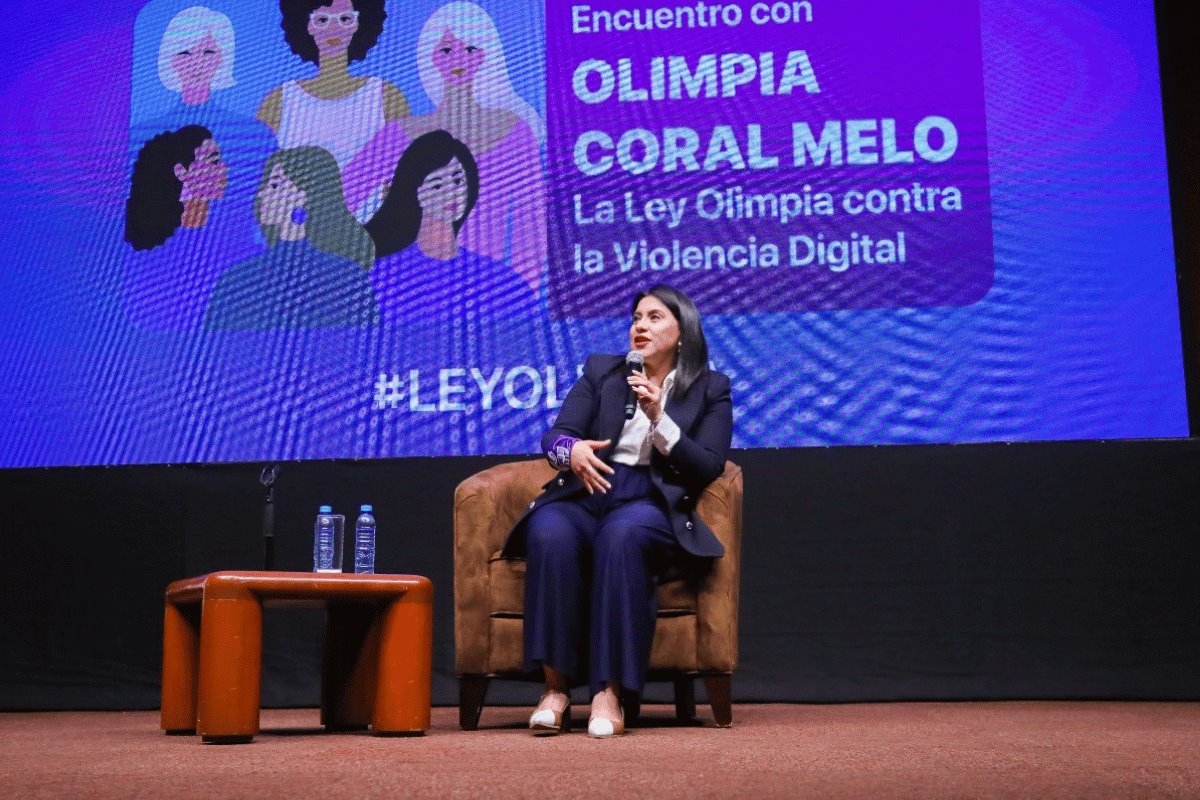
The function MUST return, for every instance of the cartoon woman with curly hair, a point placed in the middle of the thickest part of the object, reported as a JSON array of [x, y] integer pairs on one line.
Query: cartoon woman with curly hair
[[176, 216], [334, 110], [175, 178]]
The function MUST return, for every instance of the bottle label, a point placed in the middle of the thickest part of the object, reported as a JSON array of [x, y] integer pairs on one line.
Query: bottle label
[[323, 546], [364, 546]]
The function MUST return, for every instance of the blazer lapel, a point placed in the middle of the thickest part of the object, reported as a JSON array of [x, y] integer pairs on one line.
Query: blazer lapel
[[611, 419], [684, 411]]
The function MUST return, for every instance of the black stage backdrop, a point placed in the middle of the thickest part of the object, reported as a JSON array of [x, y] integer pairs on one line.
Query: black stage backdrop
[[1064, 570]]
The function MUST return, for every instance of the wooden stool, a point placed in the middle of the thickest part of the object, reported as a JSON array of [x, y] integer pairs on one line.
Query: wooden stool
[[377, 659]]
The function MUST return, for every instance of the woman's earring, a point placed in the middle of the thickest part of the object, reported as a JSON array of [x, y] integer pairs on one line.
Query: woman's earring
[[299, 215]]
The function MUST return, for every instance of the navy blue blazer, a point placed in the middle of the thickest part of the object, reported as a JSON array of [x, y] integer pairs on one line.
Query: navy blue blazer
[[595, 409]]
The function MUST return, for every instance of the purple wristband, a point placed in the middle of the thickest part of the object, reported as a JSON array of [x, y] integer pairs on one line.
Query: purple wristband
[[559, 454]]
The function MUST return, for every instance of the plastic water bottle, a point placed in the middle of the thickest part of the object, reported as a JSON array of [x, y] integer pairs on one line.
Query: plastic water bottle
[[364, 540], [328, 534]]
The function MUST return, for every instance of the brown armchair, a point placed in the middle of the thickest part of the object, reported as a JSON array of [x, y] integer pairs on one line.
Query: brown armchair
[[696, 632]]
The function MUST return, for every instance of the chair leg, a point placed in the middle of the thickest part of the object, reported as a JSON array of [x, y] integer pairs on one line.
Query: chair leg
[[719, 697], [685, 699], [472, 691]]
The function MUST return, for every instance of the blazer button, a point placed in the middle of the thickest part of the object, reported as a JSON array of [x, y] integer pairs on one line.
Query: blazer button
[[689, 526], [685, 497], [561, 481]]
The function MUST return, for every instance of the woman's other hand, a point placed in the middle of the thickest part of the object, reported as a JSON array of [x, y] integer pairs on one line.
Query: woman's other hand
[[588, 466]]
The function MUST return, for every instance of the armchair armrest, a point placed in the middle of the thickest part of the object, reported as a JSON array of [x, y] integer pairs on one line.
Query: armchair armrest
[[486, 506], [717, 600]]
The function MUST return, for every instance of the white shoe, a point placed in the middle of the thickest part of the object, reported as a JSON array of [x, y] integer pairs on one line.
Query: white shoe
[[601, 728], [546, 722], [543, 717]]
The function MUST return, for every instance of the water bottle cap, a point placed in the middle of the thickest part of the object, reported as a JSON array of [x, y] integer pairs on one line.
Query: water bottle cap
[[365, 508], [325, 510]]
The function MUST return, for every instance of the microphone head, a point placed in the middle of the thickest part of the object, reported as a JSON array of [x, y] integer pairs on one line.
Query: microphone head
[[635, 360], [268, 475]]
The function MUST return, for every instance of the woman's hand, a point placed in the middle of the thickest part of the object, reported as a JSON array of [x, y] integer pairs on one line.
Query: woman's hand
[[649, 395], [588, 466]]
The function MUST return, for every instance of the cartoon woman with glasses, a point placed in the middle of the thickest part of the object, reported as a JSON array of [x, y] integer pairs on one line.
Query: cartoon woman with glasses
[[335, 110], [461, 62]]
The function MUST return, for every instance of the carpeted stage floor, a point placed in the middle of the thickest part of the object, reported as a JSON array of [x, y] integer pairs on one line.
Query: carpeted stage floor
[[917, 750]]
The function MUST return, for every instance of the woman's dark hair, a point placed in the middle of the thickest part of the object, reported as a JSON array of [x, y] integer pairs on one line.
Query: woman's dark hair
[[295, 27], [153, 211], [693, 349], [395, 225]]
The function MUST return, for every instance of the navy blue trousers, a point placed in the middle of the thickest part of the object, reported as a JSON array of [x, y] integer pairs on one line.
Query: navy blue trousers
[[591, 572]]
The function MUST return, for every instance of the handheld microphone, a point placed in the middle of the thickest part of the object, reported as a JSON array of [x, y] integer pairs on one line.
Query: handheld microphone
[[634, 362]]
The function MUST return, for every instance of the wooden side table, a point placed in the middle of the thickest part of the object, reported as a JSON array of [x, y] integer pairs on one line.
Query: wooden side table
[[377, 659]]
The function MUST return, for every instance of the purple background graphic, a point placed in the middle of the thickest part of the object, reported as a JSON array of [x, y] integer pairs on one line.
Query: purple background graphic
[[875, 61], [1077, 338]]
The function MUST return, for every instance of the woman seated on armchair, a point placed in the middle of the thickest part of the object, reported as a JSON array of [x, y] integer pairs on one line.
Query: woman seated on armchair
[[622, 513]]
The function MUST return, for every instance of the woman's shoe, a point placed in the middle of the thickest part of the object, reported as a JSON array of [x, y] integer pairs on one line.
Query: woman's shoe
[[547, 722], [601, 728]]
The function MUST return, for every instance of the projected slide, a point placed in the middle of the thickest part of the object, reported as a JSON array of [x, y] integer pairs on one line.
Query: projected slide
[[768, 157], [364, 228]]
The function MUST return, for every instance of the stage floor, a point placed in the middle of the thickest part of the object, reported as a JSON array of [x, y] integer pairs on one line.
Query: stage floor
[[899, 750]]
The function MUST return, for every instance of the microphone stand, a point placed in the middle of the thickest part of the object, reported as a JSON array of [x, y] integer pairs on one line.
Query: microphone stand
[[267, 479]]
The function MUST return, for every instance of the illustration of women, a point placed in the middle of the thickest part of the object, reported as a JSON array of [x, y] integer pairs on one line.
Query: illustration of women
[[442, 304], [196, 57], [461, 62]]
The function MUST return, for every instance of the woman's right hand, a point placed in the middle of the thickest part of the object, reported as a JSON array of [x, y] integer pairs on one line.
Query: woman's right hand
[[588, 466]]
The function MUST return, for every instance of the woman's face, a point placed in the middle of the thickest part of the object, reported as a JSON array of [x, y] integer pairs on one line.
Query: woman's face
[[443, 193], [456, 61], [207, 176], [196, 66], [655, 331], [278, 198], [333, 26]]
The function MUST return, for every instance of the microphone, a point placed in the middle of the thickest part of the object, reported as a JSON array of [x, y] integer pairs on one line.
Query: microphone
[[634, 362], [267, 478]]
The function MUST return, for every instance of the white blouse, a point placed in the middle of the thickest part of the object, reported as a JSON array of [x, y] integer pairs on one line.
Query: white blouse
[[638, 435], [341, 126]]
